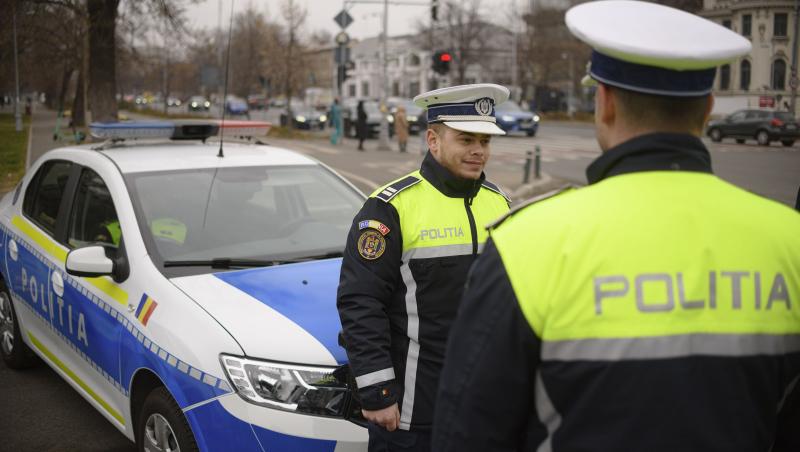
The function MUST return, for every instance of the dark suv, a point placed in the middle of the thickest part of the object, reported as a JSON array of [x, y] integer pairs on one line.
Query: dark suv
[[762, 125]]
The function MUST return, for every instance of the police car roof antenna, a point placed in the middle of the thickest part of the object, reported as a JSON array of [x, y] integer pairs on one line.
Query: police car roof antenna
[[225, 91]]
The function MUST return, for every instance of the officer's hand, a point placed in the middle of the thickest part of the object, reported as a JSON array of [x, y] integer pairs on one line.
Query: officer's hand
[[388, 418]]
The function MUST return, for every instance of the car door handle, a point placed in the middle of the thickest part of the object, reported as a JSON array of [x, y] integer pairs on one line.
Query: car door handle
[[58, 283], [13, 250]]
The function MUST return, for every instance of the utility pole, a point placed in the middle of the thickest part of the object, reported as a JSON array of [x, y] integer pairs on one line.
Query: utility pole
[[793, 80], [17, 113], [383, 137]]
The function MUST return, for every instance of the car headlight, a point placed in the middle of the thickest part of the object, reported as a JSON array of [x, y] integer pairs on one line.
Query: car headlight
[[310, 390], [411, 118], [323, 118], [536, 118], [300, 118], [194, 104], [207, 104], [507, 118]]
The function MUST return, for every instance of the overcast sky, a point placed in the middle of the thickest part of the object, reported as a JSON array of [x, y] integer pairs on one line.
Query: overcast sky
[[367, 17]]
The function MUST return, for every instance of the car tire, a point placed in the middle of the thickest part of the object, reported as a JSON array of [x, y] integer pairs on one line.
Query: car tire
[[740, 140], [16, 353], [531, 133], [715, 134], [787, 143], [162, 425], [762, 137]]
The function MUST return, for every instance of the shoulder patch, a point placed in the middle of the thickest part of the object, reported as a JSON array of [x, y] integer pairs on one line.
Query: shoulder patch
[[530, 202], [390, 191], [496, 189]]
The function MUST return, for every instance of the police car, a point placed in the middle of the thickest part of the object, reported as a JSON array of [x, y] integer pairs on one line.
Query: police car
[[187, 290]]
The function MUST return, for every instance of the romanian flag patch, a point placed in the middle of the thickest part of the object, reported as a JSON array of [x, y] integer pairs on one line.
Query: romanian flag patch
[[146, 307]]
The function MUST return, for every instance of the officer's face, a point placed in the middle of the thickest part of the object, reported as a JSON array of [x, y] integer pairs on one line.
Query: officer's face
[[464, 154]]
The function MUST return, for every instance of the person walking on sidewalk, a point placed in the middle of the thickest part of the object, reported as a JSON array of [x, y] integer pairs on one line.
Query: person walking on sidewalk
[[361, 125], [656, 309], [335, 120], [405, 263], [401, 127]]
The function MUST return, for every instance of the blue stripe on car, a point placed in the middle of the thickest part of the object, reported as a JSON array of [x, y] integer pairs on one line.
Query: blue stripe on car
[[305, 293]]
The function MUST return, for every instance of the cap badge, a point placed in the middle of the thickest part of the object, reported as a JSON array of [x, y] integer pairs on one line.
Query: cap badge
[[484, 106]]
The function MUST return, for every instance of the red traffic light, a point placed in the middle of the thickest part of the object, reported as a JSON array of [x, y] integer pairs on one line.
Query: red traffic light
[[445, 57]]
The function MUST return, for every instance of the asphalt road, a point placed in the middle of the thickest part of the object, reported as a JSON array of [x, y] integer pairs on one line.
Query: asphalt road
[[43, 413]]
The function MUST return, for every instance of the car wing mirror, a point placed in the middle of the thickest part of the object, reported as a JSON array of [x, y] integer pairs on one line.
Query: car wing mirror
[[90, 262]]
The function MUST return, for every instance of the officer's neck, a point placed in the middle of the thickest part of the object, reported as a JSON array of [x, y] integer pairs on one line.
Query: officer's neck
[[447, 182], [620, 132]]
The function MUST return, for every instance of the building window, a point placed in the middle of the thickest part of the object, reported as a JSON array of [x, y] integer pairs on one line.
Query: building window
[[780, 22], [778, 75], [725, 77], [413, 60], [747, 24], [726, 23], [395, 88], [351, 91], [364, 89], [413, 89], [744, 81]]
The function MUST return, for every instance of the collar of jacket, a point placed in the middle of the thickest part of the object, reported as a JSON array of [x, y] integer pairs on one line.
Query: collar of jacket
[[652, 152], [447, 183]]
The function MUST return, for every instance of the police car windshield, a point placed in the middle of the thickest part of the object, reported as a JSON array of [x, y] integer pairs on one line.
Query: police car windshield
[[246, 214]]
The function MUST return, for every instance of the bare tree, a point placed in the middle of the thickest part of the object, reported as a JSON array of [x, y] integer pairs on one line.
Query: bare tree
[[295, 17], [465, 29]]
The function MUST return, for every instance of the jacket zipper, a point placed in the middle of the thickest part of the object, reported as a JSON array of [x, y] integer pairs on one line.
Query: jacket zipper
[[472, 227]]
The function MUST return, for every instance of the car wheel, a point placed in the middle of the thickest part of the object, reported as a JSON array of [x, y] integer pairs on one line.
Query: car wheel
[[16, 353], [762, 137], [531, 133], [740, 140], [787, 143], [161, 426], [715, 134]]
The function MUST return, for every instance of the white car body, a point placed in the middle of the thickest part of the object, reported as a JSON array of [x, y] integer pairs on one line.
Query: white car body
[[91, 332]]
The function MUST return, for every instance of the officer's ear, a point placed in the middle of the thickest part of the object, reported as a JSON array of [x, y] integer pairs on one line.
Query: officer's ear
[[433, 139]]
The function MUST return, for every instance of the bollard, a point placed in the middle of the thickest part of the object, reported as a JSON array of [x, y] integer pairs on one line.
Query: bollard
[[537, 167], [526, 172]]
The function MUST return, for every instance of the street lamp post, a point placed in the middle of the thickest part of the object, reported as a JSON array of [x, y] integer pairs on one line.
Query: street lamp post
[[383, 141], [17, 113], [793, 80]]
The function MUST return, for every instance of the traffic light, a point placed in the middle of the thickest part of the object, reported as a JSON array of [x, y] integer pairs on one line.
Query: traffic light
[[434, 10], [441, 62]]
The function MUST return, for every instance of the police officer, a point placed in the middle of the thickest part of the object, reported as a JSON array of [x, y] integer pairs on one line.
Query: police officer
[[657, 309], [406, 261]]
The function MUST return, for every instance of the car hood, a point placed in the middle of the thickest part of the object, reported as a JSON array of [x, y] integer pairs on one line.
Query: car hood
[[285, 313]]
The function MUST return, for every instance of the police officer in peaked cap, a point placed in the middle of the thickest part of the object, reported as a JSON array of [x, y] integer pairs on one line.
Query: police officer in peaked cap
[[658, 308], [406, 261]]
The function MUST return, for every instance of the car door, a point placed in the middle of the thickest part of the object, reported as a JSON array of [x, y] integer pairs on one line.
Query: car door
[[34, 255], [92, 220], [734, 125]]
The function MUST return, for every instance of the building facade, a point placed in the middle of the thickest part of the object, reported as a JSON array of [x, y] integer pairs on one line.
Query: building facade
[[763, 78], [409, 65]]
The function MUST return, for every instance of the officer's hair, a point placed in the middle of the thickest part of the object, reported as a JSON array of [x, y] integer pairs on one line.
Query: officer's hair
[[438, 127], [661, 112]]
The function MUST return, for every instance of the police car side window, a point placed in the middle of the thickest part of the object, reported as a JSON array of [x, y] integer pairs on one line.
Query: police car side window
[[93, 219], [44, 193]]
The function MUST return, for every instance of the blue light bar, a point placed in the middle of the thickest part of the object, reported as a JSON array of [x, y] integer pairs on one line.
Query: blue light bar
[[131, 130]]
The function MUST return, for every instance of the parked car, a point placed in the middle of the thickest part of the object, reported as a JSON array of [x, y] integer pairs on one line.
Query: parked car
[[414, 114], [199, 103], [257, 102], [762, 125], [190, 299], [374, 116], [306, 118], [512, 118], [236, 106]]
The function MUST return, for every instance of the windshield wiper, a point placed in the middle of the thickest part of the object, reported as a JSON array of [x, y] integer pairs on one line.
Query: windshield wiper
[[222, 262], [226, 262]]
